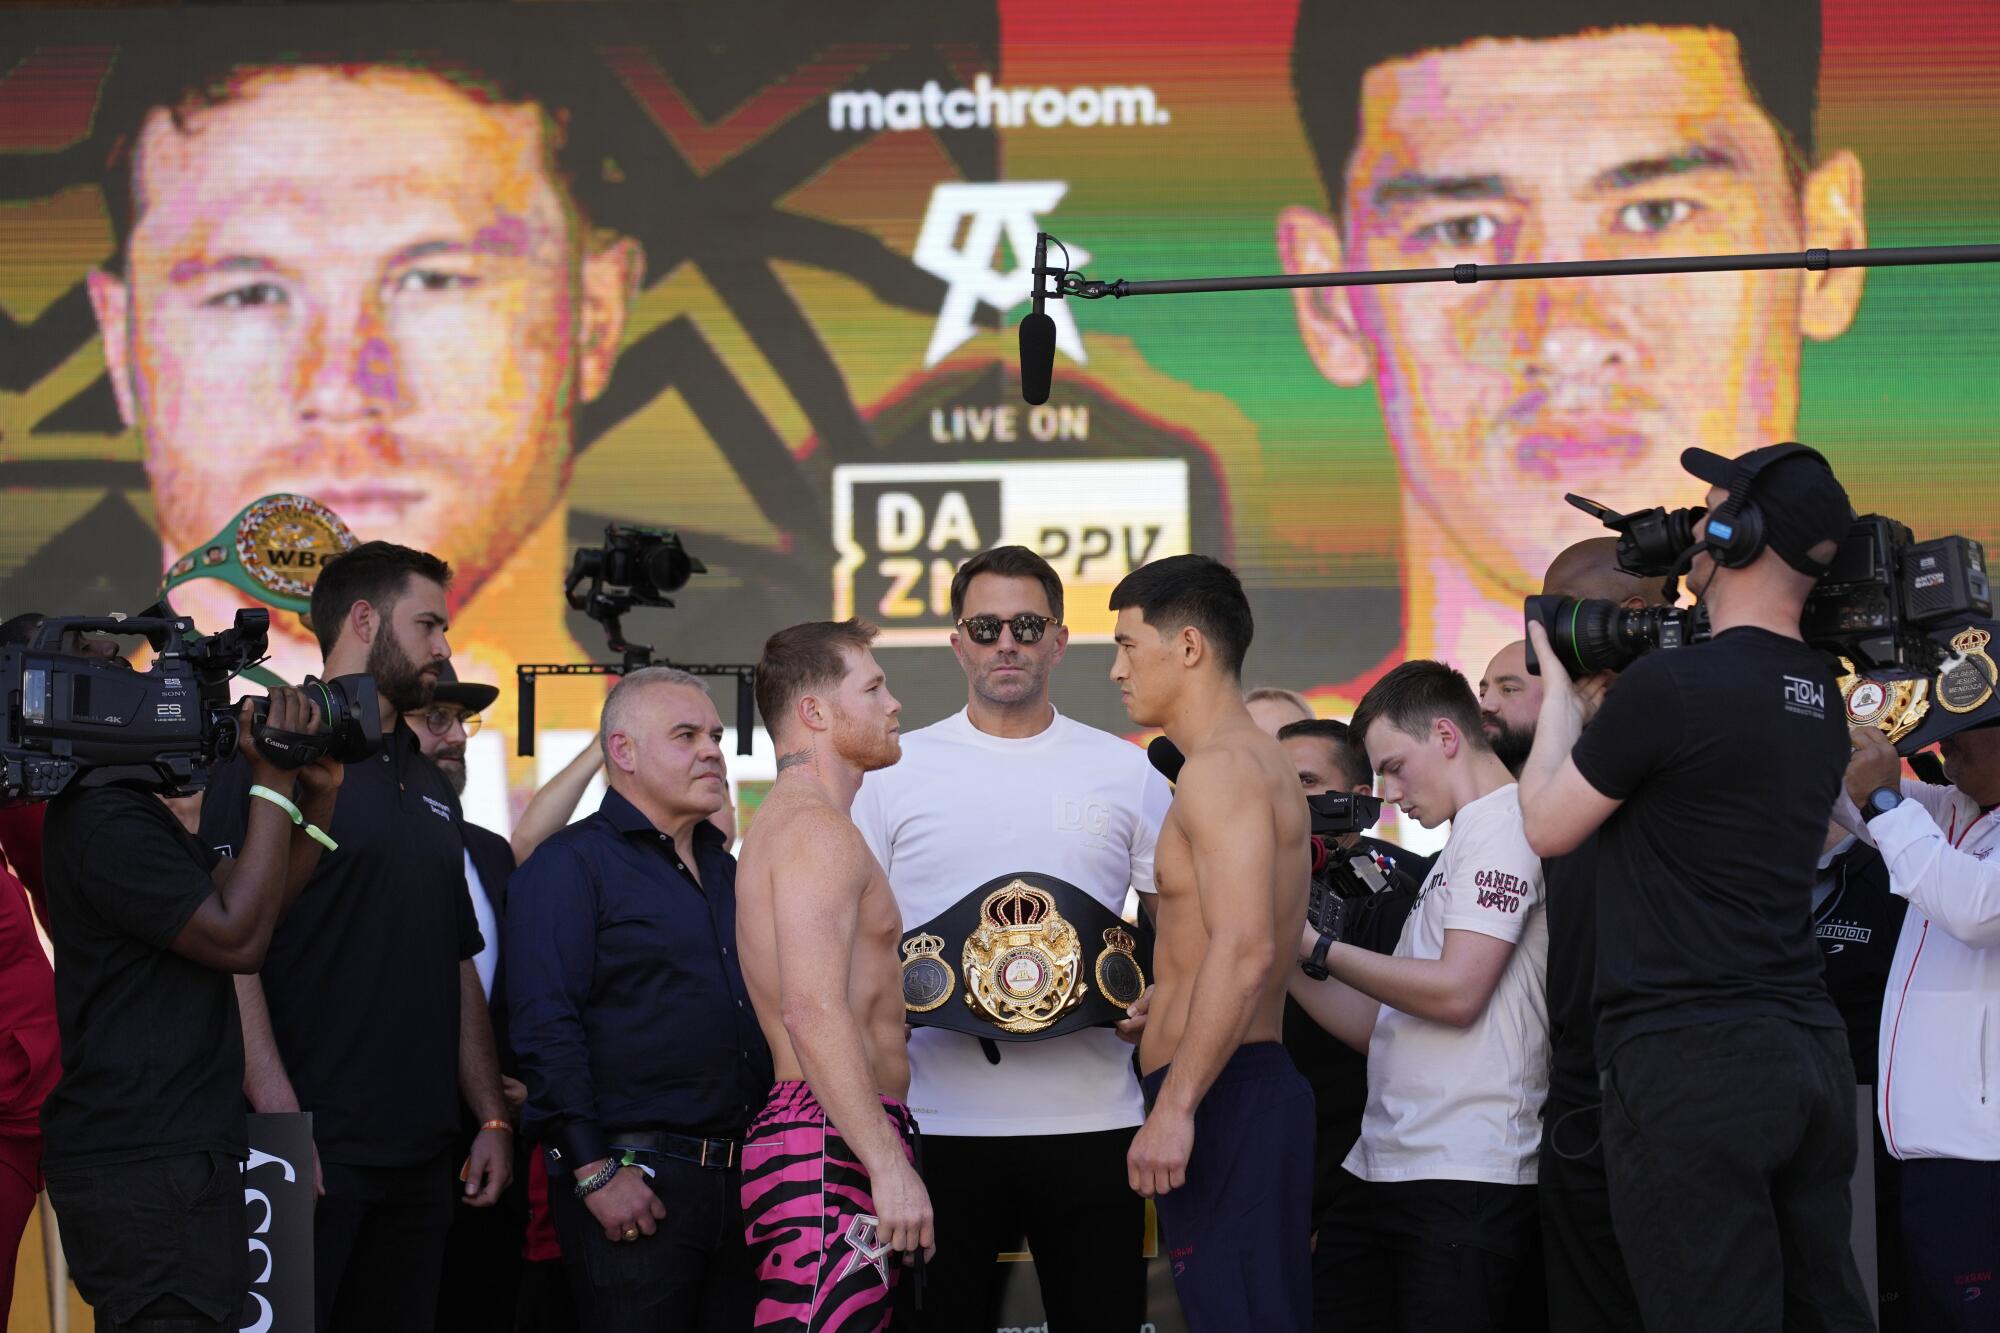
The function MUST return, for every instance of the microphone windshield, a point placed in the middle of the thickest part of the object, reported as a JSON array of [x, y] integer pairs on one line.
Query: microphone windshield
[[1038, 357], [1166, 757]]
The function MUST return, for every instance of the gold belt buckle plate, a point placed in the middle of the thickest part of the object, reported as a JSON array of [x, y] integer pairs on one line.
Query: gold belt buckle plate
[[1023, 964]]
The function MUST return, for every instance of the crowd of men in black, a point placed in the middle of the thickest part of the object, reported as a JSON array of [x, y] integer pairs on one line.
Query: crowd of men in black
[[1694, 1084]]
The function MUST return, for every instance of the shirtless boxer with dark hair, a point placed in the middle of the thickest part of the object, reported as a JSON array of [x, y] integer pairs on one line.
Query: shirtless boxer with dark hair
[[1226, 1150]]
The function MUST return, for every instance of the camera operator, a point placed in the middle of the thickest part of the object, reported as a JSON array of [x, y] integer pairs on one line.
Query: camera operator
[[1329, 760], [482, 1259], [1727, 1120], [1936, 1092], [1435, 1230], [144, 1133], [369, 1011]]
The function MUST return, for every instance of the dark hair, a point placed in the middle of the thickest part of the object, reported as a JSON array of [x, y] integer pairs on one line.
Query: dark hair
[[1013, 562], [486, 61], [802, 659], [1416, 694], [1192, 590], [374, 572], [1355, 769], [1336, 42]]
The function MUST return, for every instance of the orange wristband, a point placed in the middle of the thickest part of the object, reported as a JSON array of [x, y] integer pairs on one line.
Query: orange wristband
[[500, 1125]]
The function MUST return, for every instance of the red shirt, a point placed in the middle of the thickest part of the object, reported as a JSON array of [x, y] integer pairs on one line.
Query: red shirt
[[30, 1050]]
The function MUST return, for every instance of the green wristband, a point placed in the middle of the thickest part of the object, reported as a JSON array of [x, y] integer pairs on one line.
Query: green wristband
[[282, 802], [313, 831]]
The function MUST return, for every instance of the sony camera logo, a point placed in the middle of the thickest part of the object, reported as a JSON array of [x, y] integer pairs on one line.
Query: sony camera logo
[[1805, 697]]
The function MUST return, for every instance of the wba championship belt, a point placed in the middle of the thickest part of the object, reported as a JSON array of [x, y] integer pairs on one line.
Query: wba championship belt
[[1023, 957], [1964, 692]]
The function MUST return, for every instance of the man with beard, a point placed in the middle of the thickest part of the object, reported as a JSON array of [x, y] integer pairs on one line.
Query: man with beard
[[1509, 698], [369, 1011], [831, 1197], [482, 1266], [1038, 792]]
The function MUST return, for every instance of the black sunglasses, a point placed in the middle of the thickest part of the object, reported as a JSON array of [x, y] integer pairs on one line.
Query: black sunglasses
[[1027, 626]]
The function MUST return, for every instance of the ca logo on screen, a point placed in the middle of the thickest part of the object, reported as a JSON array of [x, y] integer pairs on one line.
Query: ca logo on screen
[[985, 213]]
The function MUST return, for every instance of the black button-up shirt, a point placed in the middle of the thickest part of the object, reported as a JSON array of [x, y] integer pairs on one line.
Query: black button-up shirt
[[627, 1003]]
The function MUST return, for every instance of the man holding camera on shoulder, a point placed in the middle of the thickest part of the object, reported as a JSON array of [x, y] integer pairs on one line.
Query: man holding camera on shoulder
[[368, 1011], [1438, 1222], [1936, 1095], [1728, 1121], [144, 1136]]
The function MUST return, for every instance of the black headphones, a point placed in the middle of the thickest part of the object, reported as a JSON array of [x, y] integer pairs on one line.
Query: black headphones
[[1735, 533]]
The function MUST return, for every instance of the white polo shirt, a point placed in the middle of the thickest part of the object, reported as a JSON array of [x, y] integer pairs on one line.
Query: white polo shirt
[[962, 807], [1447, 1103]]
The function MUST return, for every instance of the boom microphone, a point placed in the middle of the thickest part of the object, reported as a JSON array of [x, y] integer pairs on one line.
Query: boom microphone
[[1038, 335], [1166, 757]]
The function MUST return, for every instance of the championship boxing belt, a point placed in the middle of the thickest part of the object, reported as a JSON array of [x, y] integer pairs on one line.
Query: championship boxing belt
[[1036, 958], [272, 551]]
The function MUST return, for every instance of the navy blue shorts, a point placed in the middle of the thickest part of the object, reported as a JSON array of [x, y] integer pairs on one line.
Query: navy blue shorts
[[1239, 1232]]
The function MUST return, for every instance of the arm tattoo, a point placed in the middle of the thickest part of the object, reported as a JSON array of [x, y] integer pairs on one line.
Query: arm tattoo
[[794, 759]]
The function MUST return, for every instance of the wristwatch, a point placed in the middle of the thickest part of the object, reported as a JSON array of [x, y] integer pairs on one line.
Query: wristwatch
[[1881, 801], [1315, 967]]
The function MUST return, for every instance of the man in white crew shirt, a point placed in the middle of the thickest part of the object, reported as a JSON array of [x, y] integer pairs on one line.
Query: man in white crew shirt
[[1012, 785], [1455, 1023]]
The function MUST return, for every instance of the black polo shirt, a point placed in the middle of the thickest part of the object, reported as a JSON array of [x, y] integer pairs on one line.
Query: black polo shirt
[[152, 1049], [627, 1000], [362, 979]]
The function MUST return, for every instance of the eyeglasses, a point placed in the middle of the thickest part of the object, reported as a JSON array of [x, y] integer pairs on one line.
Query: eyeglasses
[[1027, 626], [439, 720]]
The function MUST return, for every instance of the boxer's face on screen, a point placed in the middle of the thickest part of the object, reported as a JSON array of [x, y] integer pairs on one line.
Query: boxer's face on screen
[[366, 287], [1500, 396]]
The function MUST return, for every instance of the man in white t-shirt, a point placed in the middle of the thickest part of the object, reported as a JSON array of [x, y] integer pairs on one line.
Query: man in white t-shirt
[[1032, 1143], [1441, 1221]]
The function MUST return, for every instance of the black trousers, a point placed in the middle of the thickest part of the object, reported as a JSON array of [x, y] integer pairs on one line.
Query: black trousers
[[1951, 1244], [692, 1275], [378, 1245], [1427, 1256], [1588, 1288], [1729, 1149], [1067, 1196], [480, 1287], [157, 1246]]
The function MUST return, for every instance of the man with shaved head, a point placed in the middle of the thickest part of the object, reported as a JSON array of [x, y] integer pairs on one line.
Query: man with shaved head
[[1590, 569], [1587, 1282]]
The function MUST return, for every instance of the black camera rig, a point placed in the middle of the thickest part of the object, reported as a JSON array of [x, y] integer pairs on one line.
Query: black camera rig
[[635, 567]]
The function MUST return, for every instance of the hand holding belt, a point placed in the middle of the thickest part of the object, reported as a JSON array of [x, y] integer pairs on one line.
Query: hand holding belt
[[1036, 958]]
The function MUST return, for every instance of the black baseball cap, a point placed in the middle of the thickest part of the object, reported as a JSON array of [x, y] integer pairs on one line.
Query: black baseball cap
[[472, 698], [1803, 503]]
